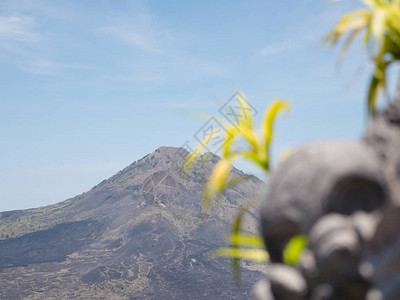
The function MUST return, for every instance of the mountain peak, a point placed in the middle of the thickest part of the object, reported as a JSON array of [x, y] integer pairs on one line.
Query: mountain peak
[[164, 165], [171, 150], [141, 228], [179, 154], [164, 160]]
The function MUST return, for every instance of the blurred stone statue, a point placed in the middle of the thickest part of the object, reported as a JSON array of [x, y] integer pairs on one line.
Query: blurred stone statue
[[345, 197]]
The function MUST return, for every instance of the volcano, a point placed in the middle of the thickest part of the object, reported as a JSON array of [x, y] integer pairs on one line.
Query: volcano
[[138, 235]]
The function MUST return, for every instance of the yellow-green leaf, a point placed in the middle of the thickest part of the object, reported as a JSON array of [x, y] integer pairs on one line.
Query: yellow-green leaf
[[246, 119], [378, 24], [348, 43], [294, 250], [259, 255], [268, 128], [192, 158], [353, 21], [217, 182], [232, 134], [250, 136], [247, 240], [373, 94], [239, 239]]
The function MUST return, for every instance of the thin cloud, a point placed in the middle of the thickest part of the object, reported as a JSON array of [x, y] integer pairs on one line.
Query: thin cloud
[[23, 43], [163, 56], [18, 28], [139, 32], [46, 67], [275, 48]]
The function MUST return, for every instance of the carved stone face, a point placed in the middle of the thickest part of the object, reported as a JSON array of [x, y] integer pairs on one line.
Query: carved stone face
[[320, 178]]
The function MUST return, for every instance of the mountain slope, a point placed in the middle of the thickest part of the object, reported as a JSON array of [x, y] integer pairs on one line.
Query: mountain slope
[[138, 234]]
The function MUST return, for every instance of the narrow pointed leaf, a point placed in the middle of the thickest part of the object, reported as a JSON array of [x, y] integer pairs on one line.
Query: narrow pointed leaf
[[268, 128], [348, 43], [294, 250], [237, 225], [246, 118], [217, 182], [378, 24], [259, 255], [232, 134], [250, 136], [373, 93], [192, 158], [247, 240]]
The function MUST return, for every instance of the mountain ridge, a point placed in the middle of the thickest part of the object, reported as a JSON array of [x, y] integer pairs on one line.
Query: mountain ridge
[[128, 231]]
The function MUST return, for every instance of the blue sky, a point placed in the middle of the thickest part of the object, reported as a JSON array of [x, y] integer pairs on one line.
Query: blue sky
[[88, 87]]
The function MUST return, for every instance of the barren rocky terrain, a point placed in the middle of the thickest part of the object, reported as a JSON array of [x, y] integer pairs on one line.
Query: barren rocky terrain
[[137, 235]]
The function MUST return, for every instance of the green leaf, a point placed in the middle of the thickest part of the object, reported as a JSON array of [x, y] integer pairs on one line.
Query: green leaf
[[378, 24], [268, 128], [247, 240], [294, 250], [238, 239], [247, 119], [381, 20], [232, 134], [259, 255], [217, 183], [192, 157], [258, 152], [356, 20], [348, 43], [373, 93]]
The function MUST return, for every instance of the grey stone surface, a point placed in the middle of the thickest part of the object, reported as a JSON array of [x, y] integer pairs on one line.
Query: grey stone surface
[[262, 290], [383, 137], [381, 263], [329, 176], [346, 198], [365, 224], [287, 282], [308, 266], [335, 244], [322, 292]]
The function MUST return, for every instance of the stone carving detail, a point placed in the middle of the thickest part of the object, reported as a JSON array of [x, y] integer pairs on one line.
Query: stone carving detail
[[345, 197]]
